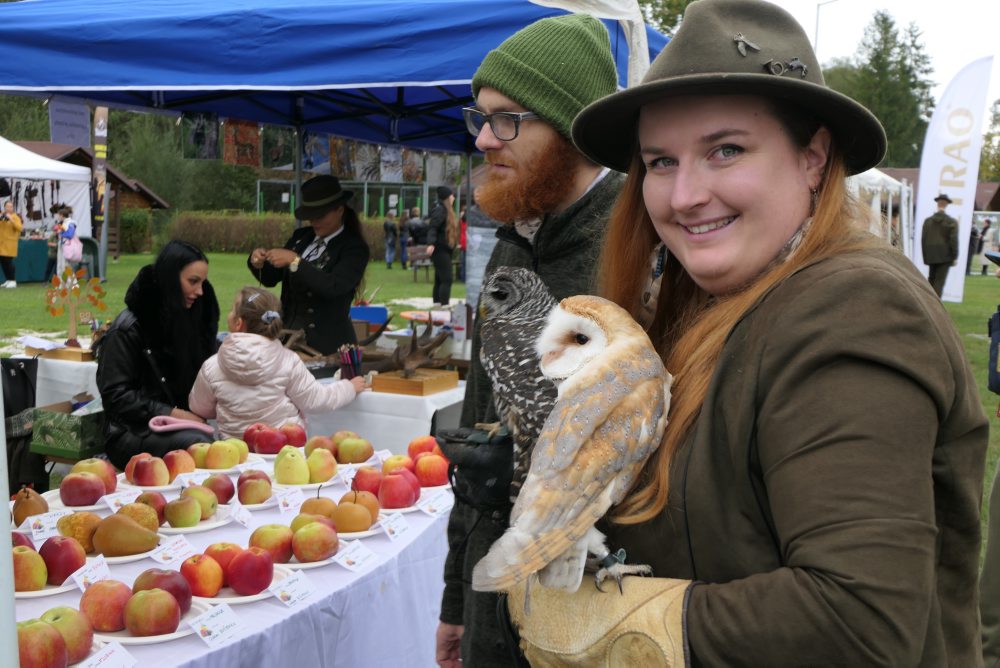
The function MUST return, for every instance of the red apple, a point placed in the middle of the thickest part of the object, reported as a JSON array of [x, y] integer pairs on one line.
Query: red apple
[[250, 434], [252, 474], [156, 501], [439, 451], [152, 612], [150, 472], [104, 604], [354, 450], [223, 553], [276, 539], [81, 489], [339, 436], [178, 461], [367, 479], [253, 492], [63, 556], [269, 441], [75, 629], [30, 571], [412, 479], [315, 542], [102, 468], [294, 434], [222, 485], [167, 580], [40, 645], [204, 574], [396, 492], [431, 470], [420, 444], [324, 442], [20, 539], [130, 467], [251, 571]]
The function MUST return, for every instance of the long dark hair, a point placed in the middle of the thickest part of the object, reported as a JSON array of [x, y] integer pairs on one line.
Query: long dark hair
[[352, 224]]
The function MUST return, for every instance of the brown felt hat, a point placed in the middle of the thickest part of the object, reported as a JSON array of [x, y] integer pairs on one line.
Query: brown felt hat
[[321, 194], [738, 47]]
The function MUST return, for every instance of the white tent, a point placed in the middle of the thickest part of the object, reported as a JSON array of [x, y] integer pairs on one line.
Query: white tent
[[876, 187], [26, 170]]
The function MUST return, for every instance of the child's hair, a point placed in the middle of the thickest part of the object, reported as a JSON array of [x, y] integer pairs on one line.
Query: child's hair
[[260, 311]]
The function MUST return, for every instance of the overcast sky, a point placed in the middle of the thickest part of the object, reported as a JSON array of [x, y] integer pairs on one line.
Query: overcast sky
[[955, 32]]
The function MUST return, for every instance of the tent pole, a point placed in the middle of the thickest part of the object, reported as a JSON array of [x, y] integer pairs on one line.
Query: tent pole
[[298, 170]]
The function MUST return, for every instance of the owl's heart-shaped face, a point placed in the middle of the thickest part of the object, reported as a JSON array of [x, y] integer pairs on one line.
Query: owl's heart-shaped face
[[568, 343]]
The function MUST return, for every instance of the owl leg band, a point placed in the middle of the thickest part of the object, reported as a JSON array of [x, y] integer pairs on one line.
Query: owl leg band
[[613, 564]]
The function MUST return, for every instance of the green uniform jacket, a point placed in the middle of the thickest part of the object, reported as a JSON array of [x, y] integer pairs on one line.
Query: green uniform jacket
[[829, 494], [564, 253], [939, 239]]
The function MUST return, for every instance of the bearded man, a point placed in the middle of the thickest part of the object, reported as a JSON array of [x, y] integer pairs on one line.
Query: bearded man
[[553, 204]]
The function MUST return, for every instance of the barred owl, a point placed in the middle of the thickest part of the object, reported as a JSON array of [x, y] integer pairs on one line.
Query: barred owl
[[512, 310], [613, 397]]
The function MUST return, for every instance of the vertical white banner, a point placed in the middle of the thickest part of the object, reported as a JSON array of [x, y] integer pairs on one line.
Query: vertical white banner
[[950, 164]]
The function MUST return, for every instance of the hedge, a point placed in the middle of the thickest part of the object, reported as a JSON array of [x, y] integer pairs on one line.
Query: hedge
[[134, 231]]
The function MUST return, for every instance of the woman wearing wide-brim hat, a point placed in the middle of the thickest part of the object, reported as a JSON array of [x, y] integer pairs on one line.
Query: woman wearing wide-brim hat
[[320, 268], [815, 500]]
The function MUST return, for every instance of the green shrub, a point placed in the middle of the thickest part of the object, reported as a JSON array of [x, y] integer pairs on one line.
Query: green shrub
[[134, 231]]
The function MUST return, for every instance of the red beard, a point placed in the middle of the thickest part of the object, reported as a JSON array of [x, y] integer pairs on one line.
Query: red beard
[[533, 190]]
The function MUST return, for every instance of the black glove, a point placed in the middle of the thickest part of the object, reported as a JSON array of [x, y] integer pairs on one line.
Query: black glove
[[481, 467]]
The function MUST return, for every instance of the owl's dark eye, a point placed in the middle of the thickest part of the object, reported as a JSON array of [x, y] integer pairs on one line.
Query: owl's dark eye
[[500, 295], [582, 339]]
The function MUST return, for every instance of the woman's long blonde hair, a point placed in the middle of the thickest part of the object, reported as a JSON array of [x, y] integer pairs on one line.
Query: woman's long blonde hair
[[690, 327]]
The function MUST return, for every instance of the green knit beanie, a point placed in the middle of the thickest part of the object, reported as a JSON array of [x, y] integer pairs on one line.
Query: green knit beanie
[[554, 67]]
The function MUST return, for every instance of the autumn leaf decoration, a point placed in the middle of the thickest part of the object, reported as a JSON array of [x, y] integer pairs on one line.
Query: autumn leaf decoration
[[68, 291]]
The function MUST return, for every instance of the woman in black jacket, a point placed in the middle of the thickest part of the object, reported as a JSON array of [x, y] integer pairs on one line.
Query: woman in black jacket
[[148, 359], [442, 237]]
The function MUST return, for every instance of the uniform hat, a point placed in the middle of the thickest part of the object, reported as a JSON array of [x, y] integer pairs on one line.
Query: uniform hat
[[321, 194], [443, 192], [745, 47], [553, 67], [942, 197]]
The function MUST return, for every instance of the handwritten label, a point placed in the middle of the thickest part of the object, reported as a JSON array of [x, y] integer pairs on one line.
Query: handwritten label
[[44, 526], [93, 571], [354, 556], [173, 549], [436, 504], [293, 590], [217, 626], [239, 512], [289, 499], [347, 475], [112, 655], [193, 478], [394, 525], [116, 500]]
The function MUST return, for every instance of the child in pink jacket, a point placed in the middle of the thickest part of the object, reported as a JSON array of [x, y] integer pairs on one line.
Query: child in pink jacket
[[253, 378]]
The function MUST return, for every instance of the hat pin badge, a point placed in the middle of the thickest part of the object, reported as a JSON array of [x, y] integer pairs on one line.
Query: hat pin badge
[[742, 44], [778, 68]]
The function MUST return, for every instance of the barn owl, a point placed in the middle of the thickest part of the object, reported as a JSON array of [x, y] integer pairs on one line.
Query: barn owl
[[609, 417], [512, 312]]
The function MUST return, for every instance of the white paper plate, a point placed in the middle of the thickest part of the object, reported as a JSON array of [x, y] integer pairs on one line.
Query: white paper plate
[[122, 482], [374, 530], [252, 457], [271, 458], [270, 503], [129, 558], [434, 488], [408, 509], [123, 636], [48, 590], [309, 486], [227, 595], [299, 566], [55, 503], [221, 518]]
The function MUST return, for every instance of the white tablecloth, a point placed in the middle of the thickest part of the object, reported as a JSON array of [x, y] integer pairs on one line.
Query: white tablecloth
[[59, 380], [385, 617]]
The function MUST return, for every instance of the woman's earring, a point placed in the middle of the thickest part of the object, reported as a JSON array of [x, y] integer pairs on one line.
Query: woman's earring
[[813, 201]]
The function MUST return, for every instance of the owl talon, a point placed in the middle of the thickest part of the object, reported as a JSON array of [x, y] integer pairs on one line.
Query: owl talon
[[618, 571], [491, 427]]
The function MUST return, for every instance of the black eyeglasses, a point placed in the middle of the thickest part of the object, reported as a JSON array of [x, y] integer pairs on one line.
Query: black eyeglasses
[[504, 124]]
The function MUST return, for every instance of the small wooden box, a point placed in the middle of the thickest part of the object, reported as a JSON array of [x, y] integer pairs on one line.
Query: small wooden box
[[422, 383], [68, 354]]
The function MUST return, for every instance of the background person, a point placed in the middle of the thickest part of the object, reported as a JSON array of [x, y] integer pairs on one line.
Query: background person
[[10, 232], [815, 500], [391, 235], [442, 239], [254, 378], [404, 238], [320, 268], [70, 246], [149, 357], [553, 204], [939, 243]]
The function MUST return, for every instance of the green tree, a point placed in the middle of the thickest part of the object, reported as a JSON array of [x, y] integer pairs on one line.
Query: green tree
[[664, 15], [23, 118], [989, 158]]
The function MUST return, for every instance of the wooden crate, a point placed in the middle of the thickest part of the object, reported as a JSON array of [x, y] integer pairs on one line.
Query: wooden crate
[[423, 382], [68, 354]]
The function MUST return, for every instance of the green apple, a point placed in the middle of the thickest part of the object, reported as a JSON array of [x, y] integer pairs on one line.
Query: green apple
[[290, 468], [30, 571], [183, 512], [242, 446], [322, 465], [222, 455], [205, 497], [199, 451]]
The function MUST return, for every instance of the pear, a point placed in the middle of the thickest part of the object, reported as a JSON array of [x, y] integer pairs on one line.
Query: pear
[[291, 469], [28, 502], [285, 451], [119, 535]]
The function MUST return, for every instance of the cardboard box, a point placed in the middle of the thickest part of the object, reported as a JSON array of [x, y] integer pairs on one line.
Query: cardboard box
[[57, 433], [68, 354], [422, 383]]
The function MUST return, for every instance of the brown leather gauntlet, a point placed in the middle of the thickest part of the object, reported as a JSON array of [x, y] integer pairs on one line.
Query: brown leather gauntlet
[[642, 627]]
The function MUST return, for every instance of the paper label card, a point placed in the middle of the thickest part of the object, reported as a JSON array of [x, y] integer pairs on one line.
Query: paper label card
[[289, 499], [174, 549], [116, 500], [93, 571], [239, 512], [193, 478], [347, 475], [437, 504], [293, 590], [44, 526], [217, 626], [354, 556], [112, 655], [395, 525]]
